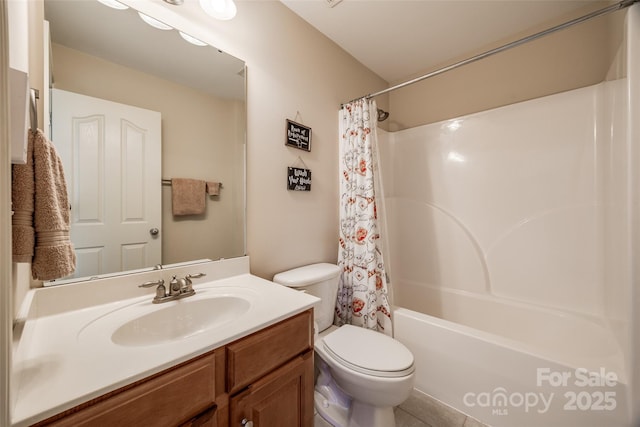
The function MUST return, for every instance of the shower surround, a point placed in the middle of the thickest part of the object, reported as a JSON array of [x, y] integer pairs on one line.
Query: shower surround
[[510, 235]]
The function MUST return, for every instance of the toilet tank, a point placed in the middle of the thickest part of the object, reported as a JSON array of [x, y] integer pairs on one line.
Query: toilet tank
[[319, 280]]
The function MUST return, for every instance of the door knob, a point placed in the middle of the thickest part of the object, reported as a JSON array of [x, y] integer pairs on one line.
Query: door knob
[[246, 423], [154, 231]]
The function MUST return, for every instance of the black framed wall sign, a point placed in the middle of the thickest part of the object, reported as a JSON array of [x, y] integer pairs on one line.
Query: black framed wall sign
[[298, 136], [298, 179]]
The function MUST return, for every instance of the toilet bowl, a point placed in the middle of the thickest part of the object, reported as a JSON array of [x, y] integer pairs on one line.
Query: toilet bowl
[[362, 374]]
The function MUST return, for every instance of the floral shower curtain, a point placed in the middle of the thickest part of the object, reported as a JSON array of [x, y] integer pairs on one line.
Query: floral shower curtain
[[362, 294]]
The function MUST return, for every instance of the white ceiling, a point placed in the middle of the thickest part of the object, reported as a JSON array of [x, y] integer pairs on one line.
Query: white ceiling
[[397, 39]]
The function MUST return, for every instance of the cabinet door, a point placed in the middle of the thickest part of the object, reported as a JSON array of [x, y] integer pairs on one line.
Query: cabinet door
[[283, 398]]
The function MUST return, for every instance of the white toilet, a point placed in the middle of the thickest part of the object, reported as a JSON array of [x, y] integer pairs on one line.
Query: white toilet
[[362, 374]]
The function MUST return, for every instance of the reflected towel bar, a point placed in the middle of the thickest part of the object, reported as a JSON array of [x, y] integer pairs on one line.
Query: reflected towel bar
[[168, 182]]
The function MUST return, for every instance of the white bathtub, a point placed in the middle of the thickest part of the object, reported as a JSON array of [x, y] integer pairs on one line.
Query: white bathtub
[[518, 366]]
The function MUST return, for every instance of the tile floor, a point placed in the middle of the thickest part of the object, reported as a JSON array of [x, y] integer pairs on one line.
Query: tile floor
[[421, 410], [403, 419]]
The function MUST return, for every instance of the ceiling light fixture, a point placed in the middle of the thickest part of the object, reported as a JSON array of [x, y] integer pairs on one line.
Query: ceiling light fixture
[[154, 22], [219, 9], [192, 39], [114, 4]]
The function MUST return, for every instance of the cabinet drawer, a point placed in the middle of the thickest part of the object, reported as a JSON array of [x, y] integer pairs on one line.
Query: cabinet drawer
[[260, 353], [168, 399]]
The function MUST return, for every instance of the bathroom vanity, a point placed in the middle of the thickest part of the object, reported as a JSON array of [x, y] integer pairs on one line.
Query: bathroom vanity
[[266, 378], [253, 366]]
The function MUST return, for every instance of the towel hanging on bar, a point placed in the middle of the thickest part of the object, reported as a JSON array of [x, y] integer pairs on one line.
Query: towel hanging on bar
[[188, 196], [41, 219], [213, 188]]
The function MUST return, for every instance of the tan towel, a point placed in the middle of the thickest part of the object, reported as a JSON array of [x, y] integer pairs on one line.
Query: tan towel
[[22, 200], [187, 196], [53, 256], [213, 188]]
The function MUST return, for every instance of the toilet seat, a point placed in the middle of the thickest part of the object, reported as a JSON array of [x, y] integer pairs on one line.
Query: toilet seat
[[369, 352]]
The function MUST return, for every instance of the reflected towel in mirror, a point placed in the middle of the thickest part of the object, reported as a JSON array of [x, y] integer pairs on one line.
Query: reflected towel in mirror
[[187, 196], [213, 188]]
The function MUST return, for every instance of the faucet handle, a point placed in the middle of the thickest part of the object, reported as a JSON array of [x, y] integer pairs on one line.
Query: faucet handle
[[188, 283], [160, 290], [152, 283]]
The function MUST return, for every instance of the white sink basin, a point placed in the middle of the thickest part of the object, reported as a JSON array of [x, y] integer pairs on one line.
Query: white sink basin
[[143, 323], [180, 320]]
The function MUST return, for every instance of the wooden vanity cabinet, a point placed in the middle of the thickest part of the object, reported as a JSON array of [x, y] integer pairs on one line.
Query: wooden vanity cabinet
[[266, 377]]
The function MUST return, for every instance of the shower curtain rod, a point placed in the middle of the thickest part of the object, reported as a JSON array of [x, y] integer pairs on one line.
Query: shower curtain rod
[[612, 8]]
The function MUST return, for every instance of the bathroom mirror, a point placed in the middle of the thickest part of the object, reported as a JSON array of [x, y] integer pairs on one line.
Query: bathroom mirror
[[199, 92]]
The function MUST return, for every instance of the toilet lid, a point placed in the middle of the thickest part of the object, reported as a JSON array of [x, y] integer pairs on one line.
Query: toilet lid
[[369, 352]]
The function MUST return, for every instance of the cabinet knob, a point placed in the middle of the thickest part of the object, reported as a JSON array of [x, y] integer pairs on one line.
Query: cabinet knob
[[246, 423]]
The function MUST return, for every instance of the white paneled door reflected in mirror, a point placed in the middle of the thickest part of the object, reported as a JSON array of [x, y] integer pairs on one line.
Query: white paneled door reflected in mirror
[[115, 164]]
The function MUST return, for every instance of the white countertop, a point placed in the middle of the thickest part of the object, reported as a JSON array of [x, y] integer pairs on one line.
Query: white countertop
[[64, 358]]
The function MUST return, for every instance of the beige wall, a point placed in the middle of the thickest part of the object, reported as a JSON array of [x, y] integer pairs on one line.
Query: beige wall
[[200, 138], [575, 57]]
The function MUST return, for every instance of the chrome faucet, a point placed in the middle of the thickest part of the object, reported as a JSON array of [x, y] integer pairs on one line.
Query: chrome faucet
[[178, 288]]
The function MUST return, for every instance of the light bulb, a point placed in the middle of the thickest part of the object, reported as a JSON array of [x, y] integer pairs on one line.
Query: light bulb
[[154, 22], [192, 39], [219, 9], [218, 6], [114, 4]]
